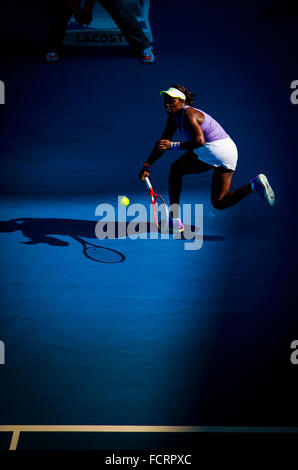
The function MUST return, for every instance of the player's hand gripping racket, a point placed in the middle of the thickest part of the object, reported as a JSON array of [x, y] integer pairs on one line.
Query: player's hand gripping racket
[[160, 208]]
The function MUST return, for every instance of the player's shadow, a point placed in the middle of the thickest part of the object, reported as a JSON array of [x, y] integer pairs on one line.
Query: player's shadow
[[42, 230]]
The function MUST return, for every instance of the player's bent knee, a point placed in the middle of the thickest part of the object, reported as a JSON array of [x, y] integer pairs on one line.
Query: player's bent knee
[[218, 204]]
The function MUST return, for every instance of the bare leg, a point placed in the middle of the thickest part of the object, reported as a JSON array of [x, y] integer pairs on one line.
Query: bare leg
[[221, 196], [185, 165]]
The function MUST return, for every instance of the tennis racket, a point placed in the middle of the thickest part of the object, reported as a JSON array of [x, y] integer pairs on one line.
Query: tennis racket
[[160, 208]]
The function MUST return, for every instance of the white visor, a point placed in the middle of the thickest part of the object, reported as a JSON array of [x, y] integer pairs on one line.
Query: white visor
[[174, 93]]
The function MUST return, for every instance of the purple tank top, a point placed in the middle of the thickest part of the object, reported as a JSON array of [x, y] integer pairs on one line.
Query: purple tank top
[[211, 129]]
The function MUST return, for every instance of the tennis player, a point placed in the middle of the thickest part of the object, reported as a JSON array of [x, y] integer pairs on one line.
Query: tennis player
[[207, 147]]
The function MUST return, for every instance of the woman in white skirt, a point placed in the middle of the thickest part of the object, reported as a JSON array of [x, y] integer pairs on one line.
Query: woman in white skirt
[[208, 147]]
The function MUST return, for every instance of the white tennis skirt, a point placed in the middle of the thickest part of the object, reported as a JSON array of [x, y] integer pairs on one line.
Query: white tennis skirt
[[221, 152]]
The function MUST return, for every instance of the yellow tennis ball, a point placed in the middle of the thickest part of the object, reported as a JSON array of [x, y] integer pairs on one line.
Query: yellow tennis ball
[[124, 201]]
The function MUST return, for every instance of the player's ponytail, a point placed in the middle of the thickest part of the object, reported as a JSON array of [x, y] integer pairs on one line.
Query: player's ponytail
[[189, 95]]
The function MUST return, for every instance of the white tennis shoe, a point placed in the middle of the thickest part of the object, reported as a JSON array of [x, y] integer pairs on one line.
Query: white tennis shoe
[[260, 185], [176, 225]]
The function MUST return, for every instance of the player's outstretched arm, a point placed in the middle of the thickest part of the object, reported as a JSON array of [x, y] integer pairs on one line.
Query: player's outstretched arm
[[156, 153]]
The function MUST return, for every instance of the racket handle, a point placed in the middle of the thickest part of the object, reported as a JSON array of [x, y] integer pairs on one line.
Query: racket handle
[[147, 182]]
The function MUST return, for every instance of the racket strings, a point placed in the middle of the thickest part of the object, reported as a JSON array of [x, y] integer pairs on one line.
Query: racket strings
[[161, 213]]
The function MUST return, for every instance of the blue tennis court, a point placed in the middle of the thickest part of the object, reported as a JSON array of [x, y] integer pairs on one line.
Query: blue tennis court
[[175, 339]]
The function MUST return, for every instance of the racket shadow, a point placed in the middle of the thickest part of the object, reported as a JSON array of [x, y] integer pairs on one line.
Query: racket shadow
[[101, 254], [47, 231]]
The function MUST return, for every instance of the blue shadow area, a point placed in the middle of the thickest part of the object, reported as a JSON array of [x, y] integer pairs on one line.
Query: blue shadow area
[[160, 335]]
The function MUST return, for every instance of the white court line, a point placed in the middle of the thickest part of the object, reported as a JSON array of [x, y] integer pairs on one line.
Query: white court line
[[17, 429], [14, 440]]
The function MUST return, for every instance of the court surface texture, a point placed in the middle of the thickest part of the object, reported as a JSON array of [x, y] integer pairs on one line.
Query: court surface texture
[[168, 343]]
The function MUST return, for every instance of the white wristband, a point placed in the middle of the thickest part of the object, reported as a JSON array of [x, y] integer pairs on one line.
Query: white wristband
[[175, 145]]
